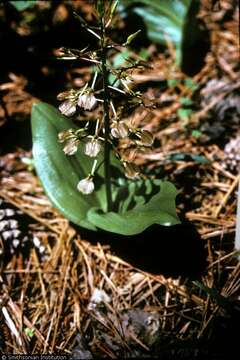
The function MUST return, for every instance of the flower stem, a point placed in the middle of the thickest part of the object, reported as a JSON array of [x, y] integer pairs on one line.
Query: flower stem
[[106, 103]]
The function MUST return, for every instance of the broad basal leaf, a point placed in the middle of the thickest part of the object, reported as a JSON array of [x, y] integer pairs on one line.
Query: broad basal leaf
[[60, 174], [137, 205], [160, 209]]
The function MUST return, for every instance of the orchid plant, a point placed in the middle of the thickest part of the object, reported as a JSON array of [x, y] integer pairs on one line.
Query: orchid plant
[[78, 165]]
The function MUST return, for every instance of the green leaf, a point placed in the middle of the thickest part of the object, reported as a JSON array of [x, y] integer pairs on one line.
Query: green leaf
[[172, 83], [164, 19], [29, 332], [60, 174], [160, 209], [185, 101], [22, 5], [188, 157], [137, 204], [196, 133], [184, 113], [191, 84]]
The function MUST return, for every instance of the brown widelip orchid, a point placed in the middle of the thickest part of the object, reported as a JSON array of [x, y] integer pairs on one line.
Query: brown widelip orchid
[[93, 163]]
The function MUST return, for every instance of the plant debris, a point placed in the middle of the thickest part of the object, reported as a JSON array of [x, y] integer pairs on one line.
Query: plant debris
[[84, 301]]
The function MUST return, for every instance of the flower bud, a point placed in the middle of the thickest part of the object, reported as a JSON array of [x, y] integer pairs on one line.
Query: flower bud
[[87, 101], [71, 147], [131, 170], [64, 135], [69, 94], [119, 130], [65, 54], [67, 108], [86, 186], [92, 148]]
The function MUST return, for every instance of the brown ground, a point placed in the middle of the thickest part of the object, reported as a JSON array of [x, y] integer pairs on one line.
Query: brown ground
[[139, 313]]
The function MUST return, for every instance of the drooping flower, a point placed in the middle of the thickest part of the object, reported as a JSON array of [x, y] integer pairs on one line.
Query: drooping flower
[[87, 101], [68, 94], [65, 54], [92, 148], [128, 154], [119, 130], [65, 135], [68, 107], [71, 146], [131, 170], [86, 186], [126, 80], [146, 138]]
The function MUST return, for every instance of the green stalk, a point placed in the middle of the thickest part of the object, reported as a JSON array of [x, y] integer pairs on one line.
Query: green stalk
[[107, 148]]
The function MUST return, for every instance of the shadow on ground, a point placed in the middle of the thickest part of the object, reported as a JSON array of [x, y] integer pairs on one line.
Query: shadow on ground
[[171, 251]]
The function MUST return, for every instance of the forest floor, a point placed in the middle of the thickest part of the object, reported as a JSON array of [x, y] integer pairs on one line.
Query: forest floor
[[174, 296]]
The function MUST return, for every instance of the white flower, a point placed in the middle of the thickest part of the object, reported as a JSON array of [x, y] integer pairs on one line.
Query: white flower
[[92, 148], [87, 101], [71, 147], [119, 130], [67, 108], [86, 186]]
